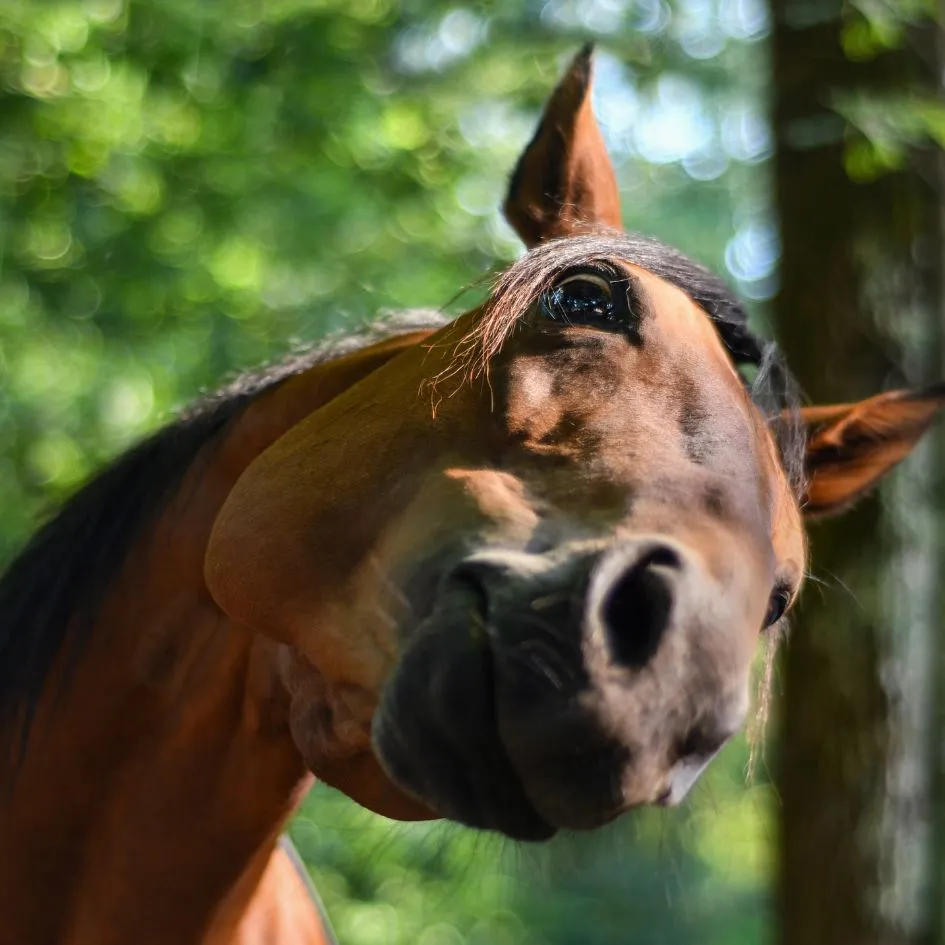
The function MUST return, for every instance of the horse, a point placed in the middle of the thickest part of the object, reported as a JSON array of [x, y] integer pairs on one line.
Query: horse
[[509, 570]]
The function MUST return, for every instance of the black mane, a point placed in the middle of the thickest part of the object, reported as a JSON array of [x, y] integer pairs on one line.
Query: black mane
[[59, 579]]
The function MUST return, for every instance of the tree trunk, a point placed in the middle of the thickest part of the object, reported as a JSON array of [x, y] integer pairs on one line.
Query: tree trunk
[[859, 310]]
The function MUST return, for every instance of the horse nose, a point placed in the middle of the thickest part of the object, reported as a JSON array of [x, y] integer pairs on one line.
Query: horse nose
[[634, 593]]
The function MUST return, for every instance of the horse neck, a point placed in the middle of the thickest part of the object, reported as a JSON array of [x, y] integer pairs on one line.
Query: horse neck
[[157, 780]]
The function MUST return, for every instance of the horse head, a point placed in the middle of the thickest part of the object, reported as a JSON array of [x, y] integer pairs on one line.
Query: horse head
[[516, 576]]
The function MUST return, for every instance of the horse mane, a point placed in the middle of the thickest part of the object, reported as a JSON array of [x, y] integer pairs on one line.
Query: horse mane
[[49, 594]]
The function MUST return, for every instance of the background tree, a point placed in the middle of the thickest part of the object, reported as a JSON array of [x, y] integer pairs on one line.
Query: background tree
[[858, 173]]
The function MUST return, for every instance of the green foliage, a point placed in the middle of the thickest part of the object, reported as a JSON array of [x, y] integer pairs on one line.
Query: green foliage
[[887, 129], [190, 188], [874, 27], [896, 109]]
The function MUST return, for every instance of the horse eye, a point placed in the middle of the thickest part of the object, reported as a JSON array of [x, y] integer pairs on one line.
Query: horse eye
[[777, 605], [581, 298]]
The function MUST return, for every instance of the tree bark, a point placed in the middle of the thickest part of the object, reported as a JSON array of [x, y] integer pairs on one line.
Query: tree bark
[[859, 308]]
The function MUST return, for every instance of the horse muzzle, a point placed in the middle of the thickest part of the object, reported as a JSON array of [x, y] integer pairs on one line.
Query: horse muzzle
[[543, 694]]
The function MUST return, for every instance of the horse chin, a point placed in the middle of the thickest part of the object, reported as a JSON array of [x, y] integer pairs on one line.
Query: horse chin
[[363, 780], [575, 774], [436, 736]]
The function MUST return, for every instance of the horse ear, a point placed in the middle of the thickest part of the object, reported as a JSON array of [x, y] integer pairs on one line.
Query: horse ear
[[850, 447], [564, 182]]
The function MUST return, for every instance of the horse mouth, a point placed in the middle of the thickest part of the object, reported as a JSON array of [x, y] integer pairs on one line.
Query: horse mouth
[[436, 733]]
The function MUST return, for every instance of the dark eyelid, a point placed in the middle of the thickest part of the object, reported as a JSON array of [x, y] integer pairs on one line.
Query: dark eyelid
[[629, 293], [596, 267], [788, 589], [630, 298]]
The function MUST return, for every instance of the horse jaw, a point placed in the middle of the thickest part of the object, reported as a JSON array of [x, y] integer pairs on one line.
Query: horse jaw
[[330, 724]]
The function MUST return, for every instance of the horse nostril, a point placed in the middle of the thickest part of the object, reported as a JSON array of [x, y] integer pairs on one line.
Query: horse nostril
[[637, 606]]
